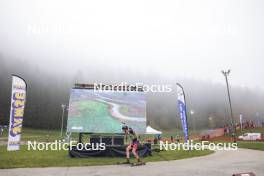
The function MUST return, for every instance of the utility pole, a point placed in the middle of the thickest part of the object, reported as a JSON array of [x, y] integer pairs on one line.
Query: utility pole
[[62, 117], [226, 74]]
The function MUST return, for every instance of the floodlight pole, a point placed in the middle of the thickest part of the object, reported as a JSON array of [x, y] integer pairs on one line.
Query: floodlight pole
[[62, 117], [193, 120], [226, 73]]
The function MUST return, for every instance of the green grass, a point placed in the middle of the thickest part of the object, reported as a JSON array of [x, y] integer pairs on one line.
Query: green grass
[[251, 145], [254, 130], [30, 158], [246, 144], [25, 158], [43, 135]]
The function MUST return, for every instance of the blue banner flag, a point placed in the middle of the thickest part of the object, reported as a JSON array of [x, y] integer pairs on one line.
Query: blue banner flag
[[182, 111]]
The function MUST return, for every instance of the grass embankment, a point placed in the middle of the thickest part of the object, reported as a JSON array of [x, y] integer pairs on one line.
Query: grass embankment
[[31, 134], [251, 145], [253, 130], [30, 158], [256, 145]]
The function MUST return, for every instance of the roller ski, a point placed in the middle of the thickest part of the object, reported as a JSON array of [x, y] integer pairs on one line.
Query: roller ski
[[141, 163], [124, 163]]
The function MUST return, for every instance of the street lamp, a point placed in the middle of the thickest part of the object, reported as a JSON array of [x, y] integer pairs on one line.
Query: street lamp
[[193, 120], [226, 73], [63, 106], [210, 119]]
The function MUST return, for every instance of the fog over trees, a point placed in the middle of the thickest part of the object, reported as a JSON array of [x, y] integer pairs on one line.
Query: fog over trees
[[47, 90]]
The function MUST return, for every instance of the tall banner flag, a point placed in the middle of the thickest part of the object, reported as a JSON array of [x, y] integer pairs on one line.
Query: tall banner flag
[[182, 110], [18, 100]]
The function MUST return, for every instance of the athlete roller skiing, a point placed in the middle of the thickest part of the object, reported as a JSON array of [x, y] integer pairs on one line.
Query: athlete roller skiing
[[133, 146]]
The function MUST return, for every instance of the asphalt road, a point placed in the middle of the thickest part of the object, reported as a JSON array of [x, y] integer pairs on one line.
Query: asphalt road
[[220, 163]]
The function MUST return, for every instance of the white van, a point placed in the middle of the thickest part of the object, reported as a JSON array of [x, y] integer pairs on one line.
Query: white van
[[250, 136]]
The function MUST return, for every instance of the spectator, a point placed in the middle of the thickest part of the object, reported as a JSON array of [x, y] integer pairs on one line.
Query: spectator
[[155, 140], [177, 138]]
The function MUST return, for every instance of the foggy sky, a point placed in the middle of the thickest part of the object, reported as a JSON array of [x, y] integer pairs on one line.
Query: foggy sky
[[193, 39]]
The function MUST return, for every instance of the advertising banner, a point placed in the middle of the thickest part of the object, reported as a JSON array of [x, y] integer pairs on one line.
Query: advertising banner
[[182, 110], [18, 100]]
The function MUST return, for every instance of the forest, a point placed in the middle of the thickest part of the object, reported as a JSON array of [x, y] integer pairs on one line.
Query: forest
[[47, 90]]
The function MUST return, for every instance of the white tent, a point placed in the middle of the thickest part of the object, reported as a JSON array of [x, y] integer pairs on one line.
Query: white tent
[[151, 130]]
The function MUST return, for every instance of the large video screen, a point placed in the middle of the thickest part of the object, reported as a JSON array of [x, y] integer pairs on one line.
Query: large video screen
[[94, 111]]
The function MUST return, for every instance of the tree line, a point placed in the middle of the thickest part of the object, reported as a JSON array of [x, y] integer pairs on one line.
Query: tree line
[[47, 90]]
